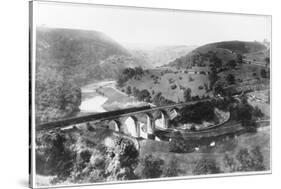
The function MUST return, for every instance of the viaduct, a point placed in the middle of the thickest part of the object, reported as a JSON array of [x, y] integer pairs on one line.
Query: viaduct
[[139, 122]]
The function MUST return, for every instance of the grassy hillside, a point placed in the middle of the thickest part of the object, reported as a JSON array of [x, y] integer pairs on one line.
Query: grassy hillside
[[205, 70], [170, 83], [226, 51]]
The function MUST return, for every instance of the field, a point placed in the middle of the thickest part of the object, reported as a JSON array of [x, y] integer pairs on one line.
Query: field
[[170, 83]]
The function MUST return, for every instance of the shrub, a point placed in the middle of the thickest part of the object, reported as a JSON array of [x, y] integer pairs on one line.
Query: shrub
[[54, 155], [264, 73], [172, 169], [174, 86], [179, 145], [187, 95], [196, 113], [151, 167], [230, 79], [205, 167]]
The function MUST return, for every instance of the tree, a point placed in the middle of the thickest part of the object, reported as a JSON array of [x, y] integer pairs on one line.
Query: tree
[[196, 113], [129, 91], [54, 155], [230, 163], [218, 89], [257, 112], [179, 145], [245, 113], [151, 167], [172, 169], [267, 61], [213, 77], [143, 95], [217, 63], [250, 161], [263, 73], [239, 59], [159, 100], [206, 166], [187, 95], [123, 160], [231, 64], [230, 79]]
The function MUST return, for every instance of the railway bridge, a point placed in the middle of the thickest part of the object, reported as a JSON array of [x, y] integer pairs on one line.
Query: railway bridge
[[138, 122]]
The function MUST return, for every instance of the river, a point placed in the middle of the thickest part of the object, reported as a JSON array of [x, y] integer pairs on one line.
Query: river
[[104, 96]]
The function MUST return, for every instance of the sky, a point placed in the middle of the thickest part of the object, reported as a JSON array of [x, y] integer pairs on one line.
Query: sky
[[138, 26]]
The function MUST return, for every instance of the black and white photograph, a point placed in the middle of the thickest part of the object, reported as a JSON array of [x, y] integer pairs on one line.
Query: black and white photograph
[[122, 94]]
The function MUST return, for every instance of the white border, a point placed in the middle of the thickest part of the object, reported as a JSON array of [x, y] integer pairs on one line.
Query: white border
[[33, 62]]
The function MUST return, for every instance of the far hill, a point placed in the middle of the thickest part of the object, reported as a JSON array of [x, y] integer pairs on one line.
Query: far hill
[[226, 51], [162, 55]]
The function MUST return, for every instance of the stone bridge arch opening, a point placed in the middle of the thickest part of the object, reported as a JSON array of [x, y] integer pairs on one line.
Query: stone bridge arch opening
[[130, 126], [114, 125], [161, 120]]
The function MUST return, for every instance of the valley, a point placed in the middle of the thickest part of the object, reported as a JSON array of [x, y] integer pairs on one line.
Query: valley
[[189, 104]]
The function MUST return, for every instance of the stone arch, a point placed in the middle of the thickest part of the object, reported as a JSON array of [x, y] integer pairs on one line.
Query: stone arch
[[114, 125], [162, 122], [130, 126]]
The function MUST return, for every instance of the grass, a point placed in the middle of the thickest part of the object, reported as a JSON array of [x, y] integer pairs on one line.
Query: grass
[[165, 82]]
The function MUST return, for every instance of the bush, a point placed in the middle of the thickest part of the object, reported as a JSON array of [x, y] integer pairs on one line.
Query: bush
[[200, 87], [187, 95], [264, 73], [231, 64], [230, 79], [174, 86], [206, 167], [54, 155], [250, 161], [159, 100], [151, 167], [172, 169], [179, 145], [190, 79], [196, 113]]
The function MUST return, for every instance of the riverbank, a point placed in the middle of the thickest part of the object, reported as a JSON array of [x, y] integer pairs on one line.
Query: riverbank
[[104, 96]]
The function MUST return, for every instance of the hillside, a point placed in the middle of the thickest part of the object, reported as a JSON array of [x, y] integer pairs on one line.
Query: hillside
[[207, 69], [67, 59], [79, 54], [225, 51]]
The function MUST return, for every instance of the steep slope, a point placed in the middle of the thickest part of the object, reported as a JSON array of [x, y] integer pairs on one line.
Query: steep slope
[[225, 51], [67, 59], [78, 54]]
